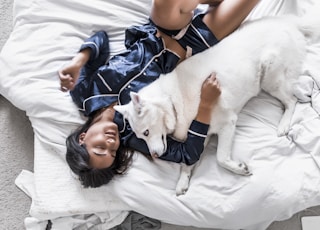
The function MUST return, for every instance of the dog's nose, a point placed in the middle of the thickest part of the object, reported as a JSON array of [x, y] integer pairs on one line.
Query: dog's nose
[[154, 155]]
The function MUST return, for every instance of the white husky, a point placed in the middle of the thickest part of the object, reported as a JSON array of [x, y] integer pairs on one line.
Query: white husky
[[263, 54]]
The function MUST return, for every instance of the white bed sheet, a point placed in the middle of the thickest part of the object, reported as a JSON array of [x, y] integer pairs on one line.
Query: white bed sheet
[[286, 175]]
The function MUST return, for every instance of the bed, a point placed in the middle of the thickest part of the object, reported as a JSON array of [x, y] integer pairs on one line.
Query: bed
[[286, 170]]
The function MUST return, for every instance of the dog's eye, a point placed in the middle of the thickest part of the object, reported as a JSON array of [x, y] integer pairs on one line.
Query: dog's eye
[[146, 133]]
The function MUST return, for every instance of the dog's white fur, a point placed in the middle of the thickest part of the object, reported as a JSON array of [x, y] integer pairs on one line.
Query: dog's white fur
[[263, 54]]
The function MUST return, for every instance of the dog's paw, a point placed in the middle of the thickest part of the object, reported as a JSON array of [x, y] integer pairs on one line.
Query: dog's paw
[[284, 127], [184, 179], [244, 169], [237, 168], [181, 191], [182, 186], [282, 131]]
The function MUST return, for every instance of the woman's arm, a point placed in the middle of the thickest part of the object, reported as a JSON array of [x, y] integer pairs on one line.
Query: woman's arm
[[190, 151], [94, 52]]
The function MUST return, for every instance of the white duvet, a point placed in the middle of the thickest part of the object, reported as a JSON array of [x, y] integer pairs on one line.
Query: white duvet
[[286, 172]]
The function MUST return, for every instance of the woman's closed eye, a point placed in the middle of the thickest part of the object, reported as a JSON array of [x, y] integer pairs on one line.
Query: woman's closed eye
[[100, 151], [111, 152], [99, 154]]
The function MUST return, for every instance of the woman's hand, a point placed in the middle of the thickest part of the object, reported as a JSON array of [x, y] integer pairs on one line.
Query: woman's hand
[[69, 76], [70, 73], [210, 92]]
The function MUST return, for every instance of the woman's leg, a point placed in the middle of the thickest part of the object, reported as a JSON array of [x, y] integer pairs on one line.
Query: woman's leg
[[228, 16]]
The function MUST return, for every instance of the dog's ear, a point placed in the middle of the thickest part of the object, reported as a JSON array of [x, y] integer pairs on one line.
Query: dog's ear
[[123, 109], [136, 101]]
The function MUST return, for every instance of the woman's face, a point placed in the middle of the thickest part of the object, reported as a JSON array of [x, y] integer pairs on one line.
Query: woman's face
[[102, 142]]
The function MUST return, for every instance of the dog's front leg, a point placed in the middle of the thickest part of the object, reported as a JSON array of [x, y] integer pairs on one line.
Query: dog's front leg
[[184, 179], [224, 150]]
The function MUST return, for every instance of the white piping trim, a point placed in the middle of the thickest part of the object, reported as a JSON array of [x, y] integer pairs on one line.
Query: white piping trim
[[197, 134], [124, 125], [165, 48], [181, 33], [200, 35], [89, 98], [188, 52], [104, 82], [97, 49]]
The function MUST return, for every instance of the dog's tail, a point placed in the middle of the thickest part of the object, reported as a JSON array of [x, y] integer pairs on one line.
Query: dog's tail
[[309, 23]]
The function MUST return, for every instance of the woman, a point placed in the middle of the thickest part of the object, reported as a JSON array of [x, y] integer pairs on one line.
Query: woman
[[100, 148]]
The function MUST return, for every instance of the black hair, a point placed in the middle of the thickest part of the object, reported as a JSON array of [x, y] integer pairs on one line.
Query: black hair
[[78, 159]]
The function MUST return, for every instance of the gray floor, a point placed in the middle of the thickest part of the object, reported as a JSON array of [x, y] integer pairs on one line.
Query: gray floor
[[16, 153], [16, 148]]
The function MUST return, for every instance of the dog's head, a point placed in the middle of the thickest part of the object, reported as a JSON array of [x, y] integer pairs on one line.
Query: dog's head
[[151, 119]]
